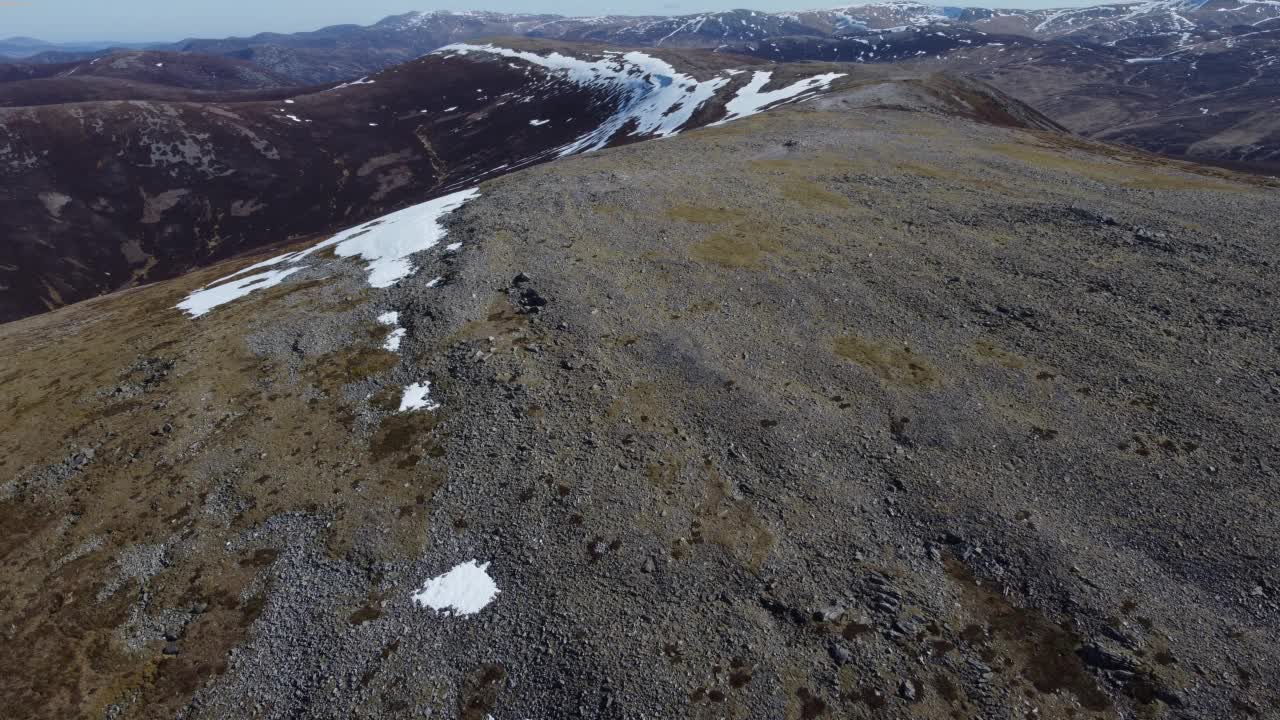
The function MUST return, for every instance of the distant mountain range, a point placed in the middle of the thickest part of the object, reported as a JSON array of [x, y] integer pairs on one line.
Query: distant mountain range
[[1186, 21], [26, 48], [398, 37], [1184, 77]]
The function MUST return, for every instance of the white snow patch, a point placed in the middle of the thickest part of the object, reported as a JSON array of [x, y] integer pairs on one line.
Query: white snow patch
[[207, 298], [418, 397], [361, 81], [392, 343], [288, 102], [449, 109], [453, 247], [537, 123], [396, 336], [750, 100], [464, 590], [385, 243]]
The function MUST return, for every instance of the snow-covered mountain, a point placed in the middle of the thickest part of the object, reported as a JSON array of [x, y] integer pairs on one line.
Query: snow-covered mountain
[[331, 53], [1223, 53], [1101, 23]]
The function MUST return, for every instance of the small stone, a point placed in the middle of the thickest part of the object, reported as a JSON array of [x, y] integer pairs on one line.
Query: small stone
[[521, 279], [829, 614], [907, 689], [171, 649], [841, 655], [648, 566]]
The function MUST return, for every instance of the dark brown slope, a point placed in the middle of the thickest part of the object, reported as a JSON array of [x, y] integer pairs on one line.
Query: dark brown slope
[[97, 196], [835, 412], [135, 76], [66, 90]]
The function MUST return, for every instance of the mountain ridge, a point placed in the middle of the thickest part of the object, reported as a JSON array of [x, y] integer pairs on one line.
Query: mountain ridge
[[849, 408]]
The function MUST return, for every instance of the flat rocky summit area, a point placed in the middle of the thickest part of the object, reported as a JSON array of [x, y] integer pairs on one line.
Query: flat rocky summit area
[[839, 411]]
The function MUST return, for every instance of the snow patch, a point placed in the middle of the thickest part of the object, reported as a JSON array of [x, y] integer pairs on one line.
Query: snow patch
[[418, 397], [396, 336], [392, 343], [464, 590], [361, 81], [751, 100], [207, 298], [538, 123], [385, 244]]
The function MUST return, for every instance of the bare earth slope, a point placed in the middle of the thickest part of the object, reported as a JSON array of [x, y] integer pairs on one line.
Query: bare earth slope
[[851, 409]]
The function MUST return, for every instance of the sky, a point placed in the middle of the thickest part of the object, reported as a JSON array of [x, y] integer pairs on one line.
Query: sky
[[158, 20]]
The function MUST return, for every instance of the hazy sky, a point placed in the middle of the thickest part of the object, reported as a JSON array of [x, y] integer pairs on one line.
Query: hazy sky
[[143, 20]]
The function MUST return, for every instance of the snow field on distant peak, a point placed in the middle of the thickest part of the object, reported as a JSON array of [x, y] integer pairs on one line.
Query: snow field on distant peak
[[652, 94], [654, 98]]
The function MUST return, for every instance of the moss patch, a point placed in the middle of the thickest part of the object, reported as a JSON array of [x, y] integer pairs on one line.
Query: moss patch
[[741, 247], [704, 215], [987, 351], [891, 363]]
